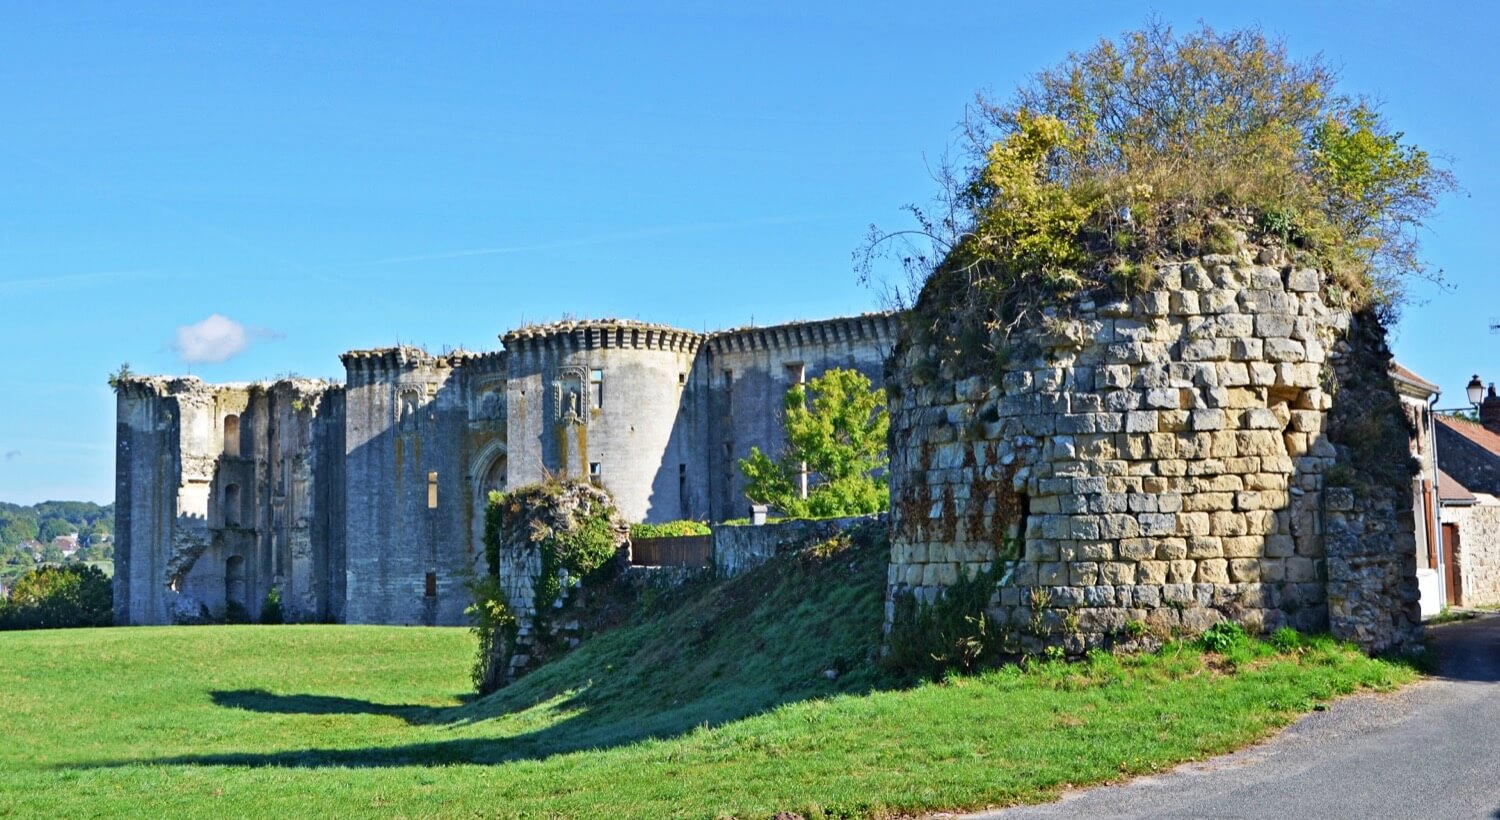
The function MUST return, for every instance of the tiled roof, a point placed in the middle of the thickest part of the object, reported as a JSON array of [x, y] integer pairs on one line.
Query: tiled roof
[[1403, 374], [1471, 430], [1452, 492]]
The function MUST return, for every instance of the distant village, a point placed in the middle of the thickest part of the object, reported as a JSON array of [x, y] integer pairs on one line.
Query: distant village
[[54, 532]]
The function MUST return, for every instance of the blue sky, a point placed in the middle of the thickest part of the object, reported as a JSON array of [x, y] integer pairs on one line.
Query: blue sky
[[326, 176]]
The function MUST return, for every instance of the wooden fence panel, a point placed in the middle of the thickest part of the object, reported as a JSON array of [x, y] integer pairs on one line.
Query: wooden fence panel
[[686, 551]]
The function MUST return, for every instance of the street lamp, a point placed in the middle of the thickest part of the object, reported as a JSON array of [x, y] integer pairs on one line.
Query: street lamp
[[1475, 390]]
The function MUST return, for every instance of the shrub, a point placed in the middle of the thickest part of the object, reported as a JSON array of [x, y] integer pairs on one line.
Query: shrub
[[670, 529], [1222, 637], [495, 628], [52, 596], [954, 633], [270, 608], [1154, 145]]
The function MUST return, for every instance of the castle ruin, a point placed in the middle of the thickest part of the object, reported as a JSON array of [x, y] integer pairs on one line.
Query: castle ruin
[[363, 502]]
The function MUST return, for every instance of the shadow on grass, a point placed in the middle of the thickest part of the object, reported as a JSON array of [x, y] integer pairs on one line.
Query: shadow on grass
[[594, 720], [725, 653], [259, 700]]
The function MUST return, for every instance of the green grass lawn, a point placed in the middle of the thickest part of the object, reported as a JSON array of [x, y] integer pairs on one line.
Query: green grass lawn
[[717, 706]]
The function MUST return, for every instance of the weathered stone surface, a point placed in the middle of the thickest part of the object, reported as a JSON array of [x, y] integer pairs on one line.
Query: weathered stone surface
[[1202, 497], [333, 481]]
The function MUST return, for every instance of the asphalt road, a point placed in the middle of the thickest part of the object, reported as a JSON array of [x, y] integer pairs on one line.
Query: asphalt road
[[1429, 751]]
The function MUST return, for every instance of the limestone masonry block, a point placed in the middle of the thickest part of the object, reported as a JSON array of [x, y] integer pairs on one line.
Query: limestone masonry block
[[1213, 571]]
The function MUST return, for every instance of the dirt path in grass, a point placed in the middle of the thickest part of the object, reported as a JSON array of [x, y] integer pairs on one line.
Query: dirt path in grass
[[1430, 750]]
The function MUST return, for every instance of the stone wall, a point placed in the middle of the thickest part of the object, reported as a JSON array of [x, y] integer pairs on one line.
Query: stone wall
[[1478, 526], [1159, 459], [408, 538], [739, 549], [220, 498]]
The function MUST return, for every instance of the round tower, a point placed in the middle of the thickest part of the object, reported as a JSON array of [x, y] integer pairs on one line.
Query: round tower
[[611, 402]]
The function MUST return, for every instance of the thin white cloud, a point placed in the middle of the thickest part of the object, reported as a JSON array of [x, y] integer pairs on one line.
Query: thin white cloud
[[217, 338], [71, 280]]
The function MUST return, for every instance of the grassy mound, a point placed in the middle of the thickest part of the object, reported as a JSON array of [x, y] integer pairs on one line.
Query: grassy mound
[[806, 627], [718, 704]]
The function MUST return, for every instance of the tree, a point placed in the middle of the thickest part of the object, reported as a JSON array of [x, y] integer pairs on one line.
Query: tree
[[50, 597], [55, 528], [1154, 145], [16, 528], [836, 431]]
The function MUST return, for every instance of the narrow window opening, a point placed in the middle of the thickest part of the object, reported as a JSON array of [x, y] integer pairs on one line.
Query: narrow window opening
[[231, 435], [432, 491], [728, 392], [232, 505], [596, 473], [431, 590], [796, 373], [596, 389], [234, 581], [681, 379], [682, 499]]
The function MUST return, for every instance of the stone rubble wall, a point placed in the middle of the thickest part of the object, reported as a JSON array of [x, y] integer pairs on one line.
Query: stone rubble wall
[[1159, 459], [1478, 549], [739, 549]]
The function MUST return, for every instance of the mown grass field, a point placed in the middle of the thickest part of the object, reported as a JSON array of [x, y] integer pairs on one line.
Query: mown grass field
[[718, 706]]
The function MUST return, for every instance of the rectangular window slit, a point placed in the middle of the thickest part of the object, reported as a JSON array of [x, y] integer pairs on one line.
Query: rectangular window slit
[[432, 491], [431, 590], [596, 473], [596, 389]]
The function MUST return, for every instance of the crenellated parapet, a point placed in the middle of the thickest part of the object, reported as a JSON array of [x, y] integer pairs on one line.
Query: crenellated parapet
[[484, 364], [877, 328], [389, 363], [566, 337]]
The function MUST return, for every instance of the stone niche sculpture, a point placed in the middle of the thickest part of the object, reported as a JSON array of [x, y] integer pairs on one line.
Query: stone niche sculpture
[[1149, 465]]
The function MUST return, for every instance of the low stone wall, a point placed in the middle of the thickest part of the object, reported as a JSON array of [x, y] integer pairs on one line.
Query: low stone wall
[[739, 549], [1159, 459]]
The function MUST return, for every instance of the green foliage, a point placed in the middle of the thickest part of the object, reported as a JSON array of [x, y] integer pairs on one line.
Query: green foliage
[[1157, 145], [270, 608], [121, 375], [953, 634], [494, 521], [51, 597], [1223, 637], [1287, 639], [670, 529], [494, 628], [836, 425]]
